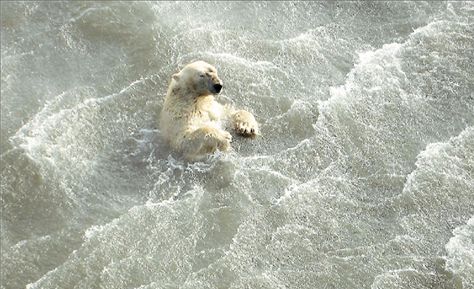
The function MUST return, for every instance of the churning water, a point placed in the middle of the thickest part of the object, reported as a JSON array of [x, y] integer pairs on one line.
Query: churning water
[[363, 176]]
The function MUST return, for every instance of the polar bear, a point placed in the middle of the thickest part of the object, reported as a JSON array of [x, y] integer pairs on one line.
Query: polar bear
[[192, 121]]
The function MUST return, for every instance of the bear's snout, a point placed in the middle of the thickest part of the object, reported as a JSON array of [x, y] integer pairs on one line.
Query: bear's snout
[[217, 87]]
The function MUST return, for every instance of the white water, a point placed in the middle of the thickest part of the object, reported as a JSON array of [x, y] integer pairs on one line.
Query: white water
[[363, 176]]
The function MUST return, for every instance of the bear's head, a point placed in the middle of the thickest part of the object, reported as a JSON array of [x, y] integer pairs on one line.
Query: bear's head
[[198, 79]]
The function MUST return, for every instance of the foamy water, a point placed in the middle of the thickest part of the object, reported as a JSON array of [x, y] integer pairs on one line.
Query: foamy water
[[363, 176]]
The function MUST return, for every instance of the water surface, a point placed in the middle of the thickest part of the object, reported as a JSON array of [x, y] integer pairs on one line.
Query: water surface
[[363, 176]]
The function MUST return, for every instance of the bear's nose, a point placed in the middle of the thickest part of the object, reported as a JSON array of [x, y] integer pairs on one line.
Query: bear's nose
[[218, 87]]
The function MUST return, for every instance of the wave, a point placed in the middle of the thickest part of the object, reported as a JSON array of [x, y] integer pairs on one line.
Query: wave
[[460, 253]]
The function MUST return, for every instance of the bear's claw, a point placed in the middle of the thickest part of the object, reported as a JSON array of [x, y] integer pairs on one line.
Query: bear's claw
[[246, 129]]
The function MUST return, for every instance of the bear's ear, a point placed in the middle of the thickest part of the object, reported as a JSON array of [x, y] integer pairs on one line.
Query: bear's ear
[[176, 76]]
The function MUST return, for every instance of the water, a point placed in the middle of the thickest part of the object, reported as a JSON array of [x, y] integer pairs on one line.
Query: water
[[363, 176]]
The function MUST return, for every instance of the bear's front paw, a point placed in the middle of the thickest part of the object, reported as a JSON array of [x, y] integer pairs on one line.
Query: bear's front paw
[[245, 124]]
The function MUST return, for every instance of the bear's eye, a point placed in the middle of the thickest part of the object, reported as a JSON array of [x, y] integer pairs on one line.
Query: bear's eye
[[202, 75]]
